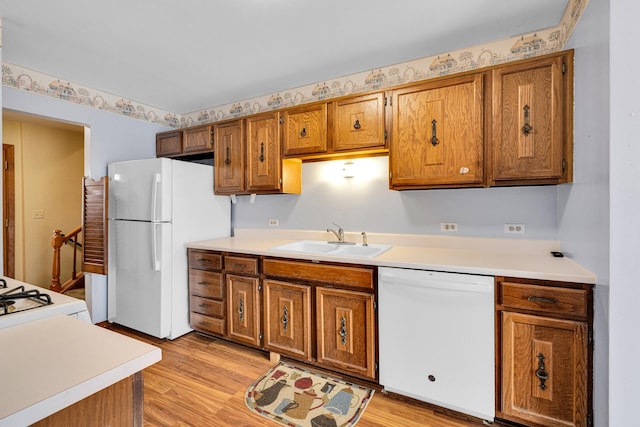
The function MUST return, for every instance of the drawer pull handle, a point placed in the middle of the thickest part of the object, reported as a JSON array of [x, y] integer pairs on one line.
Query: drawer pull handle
[[238, 266], [241, 309], [203, 283], [204, 260], [285, 318], [343, 330], [206, 324], [542, 299], [203, 305], [541, 373]]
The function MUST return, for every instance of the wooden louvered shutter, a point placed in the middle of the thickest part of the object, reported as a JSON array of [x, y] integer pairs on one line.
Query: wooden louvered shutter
[[94, 225]]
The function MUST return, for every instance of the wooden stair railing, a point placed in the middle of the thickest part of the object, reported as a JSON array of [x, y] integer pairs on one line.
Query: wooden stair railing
[[58, 240]]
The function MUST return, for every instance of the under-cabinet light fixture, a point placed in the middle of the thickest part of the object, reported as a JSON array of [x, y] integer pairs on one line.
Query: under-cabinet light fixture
[[348, 170]]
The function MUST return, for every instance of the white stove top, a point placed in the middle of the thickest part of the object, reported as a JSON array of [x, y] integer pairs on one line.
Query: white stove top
[[61, 304]]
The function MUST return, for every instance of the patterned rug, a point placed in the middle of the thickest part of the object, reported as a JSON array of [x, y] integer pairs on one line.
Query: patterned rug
[[297, 397]]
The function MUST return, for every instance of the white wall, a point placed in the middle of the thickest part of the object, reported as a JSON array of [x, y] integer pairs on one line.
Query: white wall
[[583, 213], [624, 373], [365, 203]]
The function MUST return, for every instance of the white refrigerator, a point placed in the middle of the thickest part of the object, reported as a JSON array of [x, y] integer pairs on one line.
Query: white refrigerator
[[155, 207]]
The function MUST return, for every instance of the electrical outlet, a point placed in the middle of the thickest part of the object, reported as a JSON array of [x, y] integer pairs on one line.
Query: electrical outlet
[[274, 223], [514, 228], [449, 227], [37, 214]]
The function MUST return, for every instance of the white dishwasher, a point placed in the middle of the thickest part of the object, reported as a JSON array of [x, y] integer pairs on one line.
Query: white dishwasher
[[436, 338]]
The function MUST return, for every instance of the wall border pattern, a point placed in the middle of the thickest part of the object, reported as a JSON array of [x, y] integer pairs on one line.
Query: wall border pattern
[[520, 47]]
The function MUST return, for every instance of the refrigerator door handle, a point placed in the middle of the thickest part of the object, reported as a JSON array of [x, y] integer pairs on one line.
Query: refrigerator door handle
[[154, 196], [154, 251]]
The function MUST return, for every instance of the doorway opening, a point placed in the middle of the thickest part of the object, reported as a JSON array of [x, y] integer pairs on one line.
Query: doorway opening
[[46, 187]]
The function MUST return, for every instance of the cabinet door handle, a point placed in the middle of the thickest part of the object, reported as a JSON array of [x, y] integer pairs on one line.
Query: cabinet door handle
[[227, 160], [542, 299], [241, 309], [527, 128], [303, 132], [541, 373], [343, 330], [285, 318], [356, 125], [261, 158], [434, 141]]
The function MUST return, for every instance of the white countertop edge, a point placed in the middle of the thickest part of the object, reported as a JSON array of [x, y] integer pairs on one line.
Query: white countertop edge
[[531, 262], [53, 404]]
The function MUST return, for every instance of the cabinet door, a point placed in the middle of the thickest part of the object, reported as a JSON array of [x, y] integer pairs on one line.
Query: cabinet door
[[198, 140], [528, 121], [169, 143], [243, 304], [437, 137], [287, 317], [305, 130], [544, 370], [359, 123], [263, 153], [346, 331], [229, 158]]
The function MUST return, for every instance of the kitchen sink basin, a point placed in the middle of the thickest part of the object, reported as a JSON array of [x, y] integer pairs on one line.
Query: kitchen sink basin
[[355, 250]]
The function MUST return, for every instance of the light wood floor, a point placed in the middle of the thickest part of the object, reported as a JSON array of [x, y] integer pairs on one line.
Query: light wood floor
[[201, 382]]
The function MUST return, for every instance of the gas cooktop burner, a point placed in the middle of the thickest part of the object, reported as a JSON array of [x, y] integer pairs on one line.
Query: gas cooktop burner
[[18, 299]]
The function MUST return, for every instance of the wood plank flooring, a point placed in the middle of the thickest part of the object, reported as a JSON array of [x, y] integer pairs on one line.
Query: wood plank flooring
[[201, 381]]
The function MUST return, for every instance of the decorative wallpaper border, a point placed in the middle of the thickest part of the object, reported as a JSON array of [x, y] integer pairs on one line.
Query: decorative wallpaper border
[[507, 50]]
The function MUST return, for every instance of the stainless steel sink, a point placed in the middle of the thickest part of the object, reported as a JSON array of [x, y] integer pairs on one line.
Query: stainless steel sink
[[355, 250]]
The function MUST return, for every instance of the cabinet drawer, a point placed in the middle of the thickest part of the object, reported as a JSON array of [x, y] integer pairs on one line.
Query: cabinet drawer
[[206, 283], [205, 260], [545, 299], [207, 324], [242, 265], [332, 274], [206, 306]]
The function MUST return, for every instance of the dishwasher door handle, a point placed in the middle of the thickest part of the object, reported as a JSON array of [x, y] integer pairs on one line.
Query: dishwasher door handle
[[430, 283]]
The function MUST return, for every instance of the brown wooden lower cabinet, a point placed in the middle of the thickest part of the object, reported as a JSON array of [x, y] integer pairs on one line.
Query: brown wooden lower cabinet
[[243, 315], [120, 404], [345, 325], [545, 352], [287, 318]]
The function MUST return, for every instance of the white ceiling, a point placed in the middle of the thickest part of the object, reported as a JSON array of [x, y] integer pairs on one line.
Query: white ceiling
[[187, 55]]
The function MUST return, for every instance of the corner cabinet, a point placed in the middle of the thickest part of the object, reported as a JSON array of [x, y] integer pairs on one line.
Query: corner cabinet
[[545, 351], [532, 121], [437, 138]]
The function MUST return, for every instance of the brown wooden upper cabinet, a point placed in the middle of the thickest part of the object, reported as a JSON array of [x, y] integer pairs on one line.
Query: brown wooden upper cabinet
[[532, 121], [437, 134], [305, 130], [169, 143], [359, 122], [198, 139], [188, 141], [229, 159], [248, 158]]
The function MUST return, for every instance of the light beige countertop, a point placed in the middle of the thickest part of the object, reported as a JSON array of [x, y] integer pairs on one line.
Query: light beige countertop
[[486, 256], [52, 363]]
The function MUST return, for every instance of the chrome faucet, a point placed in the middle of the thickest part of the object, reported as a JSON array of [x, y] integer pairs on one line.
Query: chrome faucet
[[339, 234]]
